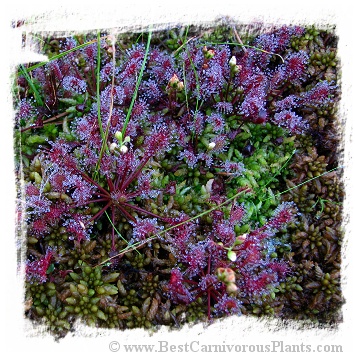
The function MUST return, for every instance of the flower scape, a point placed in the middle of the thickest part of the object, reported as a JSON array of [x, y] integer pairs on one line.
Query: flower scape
[[180, 176]]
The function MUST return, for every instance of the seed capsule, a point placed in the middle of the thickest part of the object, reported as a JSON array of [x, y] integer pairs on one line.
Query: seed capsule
[[231, 288]]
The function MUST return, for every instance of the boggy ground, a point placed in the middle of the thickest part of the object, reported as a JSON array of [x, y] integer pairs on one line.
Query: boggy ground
[[180, 176]]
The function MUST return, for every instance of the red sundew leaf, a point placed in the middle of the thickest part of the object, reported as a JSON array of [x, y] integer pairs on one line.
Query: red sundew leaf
[[37, 270]]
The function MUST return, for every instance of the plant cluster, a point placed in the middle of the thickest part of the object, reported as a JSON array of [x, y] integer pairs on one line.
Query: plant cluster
[[154, 171]]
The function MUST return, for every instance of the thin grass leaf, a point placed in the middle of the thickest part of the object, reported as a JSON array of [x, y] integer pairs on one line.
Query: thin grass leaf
[[137, 85], [60, 55], [309, 180], [140, 244], [31, 84], [119, 234], [281, 168], [243, 45], [104, 136], [98, 102], [197, 87], [185, 42]]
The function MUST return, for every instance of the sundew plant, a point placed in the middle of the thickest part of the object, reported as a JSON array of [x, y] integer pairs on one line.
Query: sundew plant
[[180, 176]]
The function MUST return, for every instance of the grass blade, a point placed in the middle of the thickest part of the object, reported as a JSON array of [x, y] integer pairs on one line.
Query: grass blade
[[137, 85], [60, 55], [31, 84]]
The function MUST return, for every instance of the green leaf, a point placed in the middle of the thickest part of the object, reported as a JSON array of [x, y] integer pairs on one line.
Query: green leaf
[[32, 85], [50, 269]]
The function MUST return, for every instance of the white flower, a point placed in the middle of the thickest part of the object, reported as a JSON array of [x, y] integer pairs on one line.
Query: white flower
[[123, 149], [211, 145], [113, 147], [233, 61], [232, 255]]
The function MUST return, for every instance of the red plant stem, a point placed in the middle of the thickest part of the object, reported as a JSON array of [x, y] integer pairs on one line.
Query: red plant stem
[[55, 118], [213, 99], [282, 89], [117, 182], [135, 173], [227, 89], [127, 214], [190, 281], [110, 184], [213, 293], [31, 127], [209, 289], [90, 180], [100, 213], [236, 97], [88, 202], [44, 122], [136, 208], [97, 200], [120, 179], [56, 122], [221, 96]]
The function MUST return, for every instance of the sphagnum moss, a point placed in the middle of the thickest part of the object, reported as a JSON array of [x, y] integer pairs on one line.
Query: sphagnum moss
[[139, 193]]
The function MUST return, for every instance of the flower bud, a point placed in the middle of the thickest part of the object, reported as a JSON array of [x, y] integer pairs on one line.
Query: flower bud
[[232, 255], [236, 69], [209, 54], [118, 136], [113, 147], [232, 61], [226, 275], [110, 39], [230, 276], [231, 288], [180, 86], [241, 239], [174, 80], [123, 149], [211, 145]]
